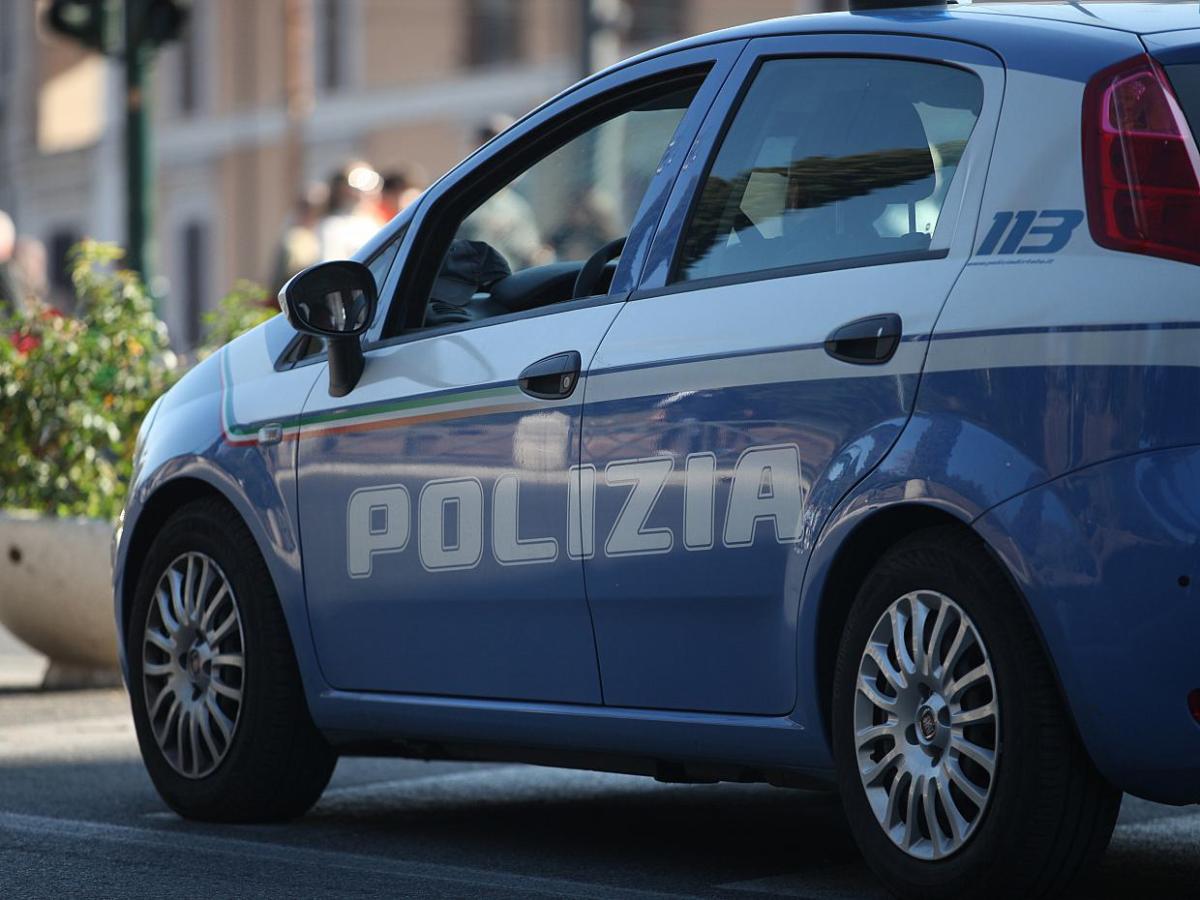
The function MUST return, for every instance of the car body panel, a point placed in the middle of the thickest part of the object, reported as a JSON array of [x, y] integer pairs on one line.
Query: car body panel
[[419, 618], [1107, 559]]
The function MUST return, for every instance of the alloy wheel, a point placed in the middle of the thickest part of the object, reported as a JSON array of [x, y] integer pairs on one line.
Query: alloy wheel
[[193, 665], [926, 720]]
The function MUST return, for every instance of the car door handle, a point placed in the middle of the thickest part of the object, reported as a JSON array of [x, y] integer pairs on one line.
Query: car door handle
[[552, 378], [866, 342]]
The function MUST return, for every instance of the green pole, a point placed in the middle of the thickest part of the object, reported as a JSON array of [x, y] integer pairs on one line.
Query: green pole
[[139, 172]]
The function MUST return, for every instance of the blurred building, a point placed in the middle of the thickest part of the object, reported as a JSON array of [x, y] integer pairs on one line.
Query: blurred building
[[383, 80]]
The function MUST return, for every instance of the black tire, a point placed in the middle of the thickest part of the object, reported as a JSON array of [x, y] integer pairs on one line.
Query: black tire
[[1050, 814], [277, 763]]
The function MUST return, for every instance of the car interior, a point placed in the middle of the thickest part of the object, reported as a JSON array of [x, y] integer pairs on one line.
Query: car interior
[[855, 167]]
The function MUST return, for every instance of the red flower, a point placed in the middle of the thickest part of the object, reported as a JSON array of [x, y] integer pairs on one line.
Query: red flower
[[24, 343]]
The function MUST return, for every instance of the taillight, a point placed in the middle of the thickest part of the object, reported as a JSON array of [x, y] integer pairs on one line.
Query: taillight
[[1141, 166]]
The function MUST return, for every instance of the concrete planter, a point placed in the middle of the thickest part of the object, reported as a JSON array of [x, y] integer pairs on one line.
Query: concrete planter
[[56, 594]]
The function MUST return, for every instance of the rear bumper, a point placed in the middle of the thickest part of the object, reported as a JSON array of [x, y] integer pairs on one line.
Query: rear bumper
[[1108, 559]]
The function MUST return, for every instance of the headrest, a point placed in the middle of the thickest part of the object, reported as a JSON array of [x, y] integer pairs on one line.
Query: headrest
[[873, 144]]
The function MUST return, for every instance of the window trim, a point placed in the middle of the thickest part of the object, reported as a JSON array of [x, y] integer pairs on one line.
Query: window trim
[[673, 285], [486, 176], [565, 306], [834, 265]]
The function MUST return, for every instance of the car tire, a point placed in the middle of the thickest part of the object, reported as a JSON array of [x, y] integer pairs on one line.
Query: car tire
[[241, 746], [1045, 815]]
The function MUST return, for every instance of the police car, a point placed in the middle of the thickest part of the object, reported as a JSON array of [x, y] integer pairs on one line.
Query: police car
[[813, 402]]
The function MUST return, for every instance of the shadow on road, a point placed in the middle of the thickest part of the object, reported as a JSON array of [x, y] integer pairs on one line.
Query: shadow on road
[[77, 788]]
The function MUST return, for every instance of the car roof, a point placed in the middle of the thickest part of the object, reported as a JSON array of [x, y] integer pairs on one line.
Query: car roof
[[1138, 18], [966, 20]]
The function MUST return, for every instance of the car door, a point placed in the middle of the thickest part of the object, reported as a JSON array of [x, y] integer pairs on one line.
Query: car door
[[433, 500], [771, 354]]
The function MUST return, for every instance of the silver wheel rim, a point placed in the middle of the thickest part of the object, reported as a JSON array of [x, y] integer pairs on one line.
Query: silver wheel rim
[[926, 725], [193, 665]]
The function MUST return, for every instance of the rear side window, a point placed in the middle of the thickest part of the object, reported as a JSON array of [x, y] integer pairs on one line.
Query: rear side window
[[1185, 79], [831, 159]]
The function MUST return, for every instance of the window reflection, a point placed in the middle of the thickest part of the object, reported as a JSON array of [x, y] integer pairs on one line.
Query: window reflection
[[831, 159]]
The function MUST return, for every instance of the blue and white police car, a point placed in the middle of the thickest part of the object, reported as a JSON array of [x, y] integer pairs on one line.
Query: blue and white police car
[[815, 402]]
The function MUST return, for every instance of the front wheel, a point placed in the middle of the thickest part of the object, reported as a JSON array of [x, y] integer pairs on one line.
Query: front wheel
[[959, 768], [220, 714]]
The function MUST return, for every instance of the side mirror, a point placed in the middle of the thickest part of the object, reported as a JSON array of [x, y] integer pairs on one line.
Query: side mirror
[[335, 301]]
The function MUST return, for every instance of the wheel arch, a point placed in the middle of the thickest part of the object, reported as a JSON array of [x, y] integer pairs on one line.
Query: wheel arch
[[268, 519], [851, 547], [853, 557], [155, 511]]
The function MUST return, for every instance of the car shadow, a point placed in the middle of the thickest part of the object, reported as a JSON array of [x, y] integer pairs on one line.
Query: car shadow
[[711, 840]]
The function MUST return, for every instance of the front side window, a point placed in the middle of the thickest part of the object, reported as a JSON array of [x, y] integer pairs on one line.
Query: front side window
[[381, 263], [561, 211], [831, 159]]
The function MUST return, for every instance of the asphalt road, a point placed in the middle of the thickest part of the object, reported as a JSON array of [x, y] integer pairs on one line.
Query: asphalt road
[[79, 818]]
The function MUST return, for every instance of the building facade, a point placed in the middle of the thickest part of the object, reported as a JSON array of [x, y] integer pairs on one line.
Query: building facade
[[261, 97]]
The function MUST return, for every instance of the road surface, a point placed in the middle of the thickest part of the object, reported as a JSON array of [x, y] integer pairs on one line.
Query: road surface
[[79, 818]]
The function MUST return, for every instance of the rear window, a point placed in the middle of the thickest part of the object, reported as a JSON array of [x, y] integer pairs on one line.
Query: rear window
[[1185, 79], [831, 159]]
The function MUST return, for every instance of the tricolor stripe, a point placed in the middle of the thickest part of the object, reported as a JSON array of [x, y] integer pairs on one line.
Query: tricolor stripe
[[441, 406], [1132, 345]]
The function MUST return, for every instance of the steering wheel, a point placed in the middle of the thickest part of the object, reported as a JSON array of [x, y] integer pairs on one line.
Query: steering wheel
[[589, 275]]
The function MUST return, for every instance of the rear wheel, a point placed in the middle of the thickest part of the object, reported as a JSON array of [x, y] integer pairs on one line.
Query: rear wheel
[[220, 714], [959, 767]]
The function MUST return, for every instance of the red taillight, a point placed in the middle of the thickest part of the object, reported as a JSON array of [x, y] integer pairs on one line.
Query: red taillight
[[1194, 704], [1140, 162]]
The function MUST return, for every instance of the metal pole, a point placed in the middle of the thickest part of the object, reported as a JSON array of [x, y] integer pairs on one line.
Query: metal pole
[[139, 174], [299, 89], [600, 39]]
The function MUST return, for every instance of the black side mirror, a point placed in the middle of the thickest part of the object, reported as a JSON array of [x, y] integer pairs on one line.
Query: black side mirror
[[335, 301]]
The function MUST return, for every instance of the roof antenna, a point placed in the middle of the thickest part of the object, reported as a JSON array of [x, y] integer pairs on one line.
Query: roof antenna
[[877, 5], [1080, 7]]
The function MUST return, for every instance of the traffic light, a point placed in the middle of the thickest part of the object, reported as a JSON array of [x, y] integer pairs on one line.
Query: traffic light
[[161, 20], [85, 21], [97, 23], [131, 30]]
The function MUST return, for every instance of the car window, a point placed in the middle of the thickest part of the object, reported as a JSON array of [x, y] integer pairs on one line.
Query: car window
[[523, 245], [831, 159], [382, 261], [1185, 79]]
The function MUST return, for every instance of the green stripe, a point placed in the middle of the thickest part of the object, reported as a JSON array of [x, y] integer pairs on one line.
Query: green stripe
[[357, 412], [397, 406]]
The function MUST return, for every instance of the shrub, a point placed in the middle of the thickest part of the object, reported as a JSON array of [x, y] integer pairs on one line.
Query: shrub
[[240, 310], [74, 390]]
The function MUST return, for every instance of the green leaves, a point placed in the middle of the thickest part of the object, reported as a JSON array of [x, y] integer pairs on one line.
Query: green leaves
[[246, 306], [74, 390]]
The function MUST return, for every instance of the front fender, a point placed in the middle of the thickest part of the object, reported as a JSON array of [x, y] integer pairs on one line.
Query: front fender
[[199, 443]]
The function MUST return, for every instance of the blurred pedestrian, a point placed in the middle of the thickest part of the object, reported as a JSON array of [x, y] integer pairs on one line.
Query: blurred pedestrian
[[350, 219], [591, 223], [401, 186], [299, 247], [30, 267], [10, 293], [506, 221]]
